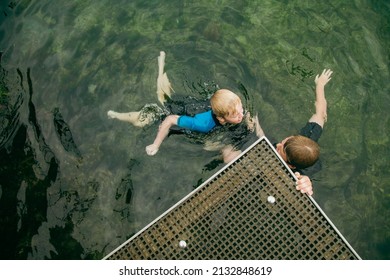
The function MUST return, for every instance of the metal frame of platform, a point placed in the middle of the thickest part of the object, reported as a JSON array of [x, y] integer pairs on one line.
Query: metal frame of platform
[[250, 209]]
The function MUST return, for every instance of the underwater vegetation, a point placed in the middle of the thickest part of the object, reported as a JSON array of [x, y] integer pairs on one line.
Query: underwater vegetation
[[74, 185]]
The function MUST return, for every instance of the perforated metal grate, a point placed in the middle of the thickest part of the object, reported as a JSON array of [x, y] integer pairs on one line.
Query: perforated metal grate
[[230, 217]]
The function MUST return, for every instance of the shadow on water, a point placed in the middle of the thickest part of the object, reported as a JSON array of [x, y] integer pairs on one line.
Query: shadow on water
[[64, 134], [18, 156], [20, 185]]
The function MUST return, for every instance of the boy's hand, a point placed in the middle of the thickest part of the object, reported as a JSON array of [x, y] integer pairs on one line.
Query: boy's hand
[[249, 122], [254, 125], [152, 149], [304, 184], [324, 78]]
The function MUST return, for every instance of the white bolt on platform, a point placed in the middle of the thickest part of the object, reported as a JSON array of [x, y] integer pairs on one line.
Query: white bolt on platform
[[271, 199], [182, 244]]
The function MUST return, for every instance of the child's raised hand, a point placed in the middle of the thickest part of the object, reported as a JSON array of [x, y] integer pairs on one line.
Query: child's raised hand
[[324, 78], [152, 149]]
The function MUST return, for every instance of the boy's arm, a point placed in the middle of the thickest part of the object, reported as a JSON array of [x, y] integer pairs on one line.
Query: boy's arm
[[163, 131], [320, 114], [254, 125], [259, 131], [229, 152]]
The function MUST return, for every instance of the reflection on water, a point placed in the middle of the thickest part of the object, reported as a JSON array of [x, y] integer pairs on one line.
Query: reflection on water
[[75, 185]]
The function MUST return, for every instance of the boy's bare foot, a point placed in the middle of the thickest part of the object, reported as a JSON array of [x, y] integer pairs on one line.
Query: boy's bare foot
[[111, 114]]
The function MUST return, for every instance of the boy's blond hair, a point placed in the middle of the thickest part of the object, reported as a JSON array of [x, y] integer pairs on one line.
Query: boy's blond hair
[[224, 102], [301, 151]]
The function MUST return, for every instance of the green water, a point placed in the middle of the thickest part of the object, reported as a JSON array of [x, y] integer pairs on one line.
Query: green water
[[69, 62]]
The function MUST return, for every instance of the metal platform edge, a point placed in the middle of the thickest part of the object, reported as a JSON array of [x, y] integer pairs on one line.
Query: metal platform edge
[[215, 175]]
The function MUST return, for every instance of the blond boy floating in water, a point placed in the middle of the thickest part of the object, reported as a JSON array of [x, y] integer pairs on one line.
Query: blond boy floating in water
[[226, 108]]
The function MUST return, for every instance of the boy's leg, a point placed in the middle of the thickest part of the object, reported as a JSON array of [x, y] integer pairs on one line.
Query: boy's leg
[[164, 87], [131, 117]]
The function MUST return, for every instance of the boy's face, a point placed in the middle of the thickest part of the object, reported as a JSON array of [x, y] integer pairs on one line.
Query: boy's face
[[235, 117]]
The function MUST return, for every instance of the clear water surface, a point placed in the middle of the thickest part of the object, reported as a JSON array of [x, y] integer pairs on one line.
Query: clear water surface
[[75, 185]]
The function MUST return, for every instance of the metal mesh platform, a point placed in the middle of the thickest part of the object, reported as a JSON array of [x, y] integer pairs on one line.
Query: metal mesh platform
[[230, 217]]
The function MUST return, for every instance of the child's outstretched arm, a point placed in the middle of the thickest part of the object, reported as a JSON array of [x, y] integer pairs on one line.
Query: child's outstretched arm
[[320, 114], [254, 125], [163, 131], [259, 131]]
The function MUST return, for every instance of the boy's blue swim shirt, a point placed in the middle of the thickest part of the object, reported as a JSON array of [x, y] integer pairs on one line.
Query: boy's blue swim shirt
[[202, 122]]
